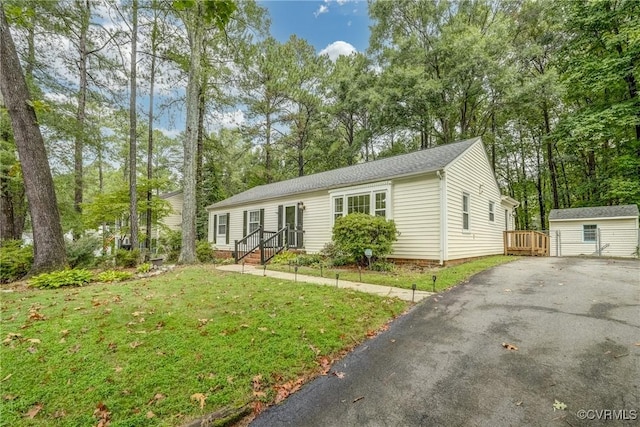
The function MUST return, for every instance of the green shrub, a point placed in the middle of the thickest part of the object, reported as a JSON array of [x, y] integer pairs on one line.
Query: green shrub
[[356, 232], [204, 251], [285, 257], [127, 259], [81, 252], [170, 244], [336, 257], [384, 266], [144, 268], [15, 260], [57, 279], [310, 259], [113, 276]]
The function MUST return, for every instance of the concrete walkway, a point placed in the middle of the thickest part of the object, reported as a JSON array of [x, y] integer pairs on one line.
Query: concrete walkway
[[384, 291]]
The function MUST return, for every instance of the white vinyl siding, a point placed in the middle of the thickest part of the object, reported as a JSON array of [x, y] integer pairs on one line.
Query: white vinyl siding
[[416, 212], [471, 173], [174, 220], [618, 237]]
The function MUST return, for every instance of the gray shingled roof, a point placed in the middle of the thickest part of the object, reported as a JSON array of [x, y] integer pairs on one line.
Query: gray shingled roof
[[595, 212], [429, 160]]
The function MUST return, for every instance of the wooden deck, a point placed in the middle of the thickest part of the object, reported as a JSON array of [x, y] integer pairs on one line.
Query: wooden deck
[[526, 242]]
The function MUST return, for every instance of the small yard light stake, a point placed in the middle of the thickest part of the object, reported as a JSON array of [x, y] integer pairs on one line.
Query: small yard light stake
[[413, 296], [264, 271], [434, 282], [337, 277], [296, 273], [242, 267], [321, 271], [360, 272]]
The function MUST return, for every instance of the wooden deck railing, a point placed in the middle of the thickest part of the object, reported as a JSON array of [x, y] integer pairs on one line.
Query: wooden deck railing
[[526, 242]]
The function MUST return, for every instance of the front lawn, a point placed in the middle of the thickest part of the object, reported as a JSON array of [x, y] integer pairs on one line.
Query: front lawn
[[164, 350], [404, 277]]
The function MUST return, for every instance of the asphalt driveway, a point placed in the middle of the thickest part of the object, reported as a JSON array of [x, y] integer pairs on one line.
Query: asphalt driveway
[[575, 322]]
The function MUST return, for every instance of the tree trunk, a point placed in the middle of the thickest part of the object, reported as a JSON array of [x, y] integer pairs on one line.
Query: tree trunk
[[49, 251], [133, 124], [553, 174], [152, 79], [78, 171], [196, 34]]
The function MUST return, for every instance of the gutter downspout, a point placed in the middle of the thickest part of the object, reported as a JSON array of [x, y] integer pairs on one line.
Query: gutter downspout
[[443, 216]]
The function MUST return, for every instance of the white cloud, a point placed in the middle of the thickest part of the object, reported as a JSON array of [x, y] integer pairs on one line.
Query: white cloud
[[338, 48], [322, 9]]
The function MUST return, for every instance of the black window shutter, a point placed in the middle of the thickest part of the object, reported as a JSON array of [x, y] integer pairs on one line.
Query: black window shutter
[[227, 237], [244, 223], [261, 217], [215, 227], [300, 227]]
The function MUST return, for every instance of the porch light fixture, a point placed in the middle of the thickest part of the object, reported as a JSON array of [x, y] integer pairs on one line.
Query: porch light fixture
[[301, 206]]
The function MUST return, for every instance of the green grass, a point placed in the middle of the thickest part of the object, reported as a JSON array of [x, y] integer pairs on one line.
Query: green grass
[[404, 277], [145, 347]]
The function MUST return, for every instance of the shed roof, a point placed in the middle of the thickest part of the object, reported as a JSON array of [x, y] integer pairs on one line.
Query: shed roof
[[619, 211], [429, 160]]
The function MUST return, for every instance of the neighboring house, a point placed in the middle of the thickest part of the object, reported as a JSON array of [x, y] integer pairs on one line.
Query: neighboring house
[[445, 202], [173, 221], [601, 230]]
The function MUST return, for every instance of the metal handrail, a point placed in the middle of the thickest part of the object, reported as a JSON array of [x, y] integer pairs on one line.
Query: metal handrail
[[273, 245], [251, 242]]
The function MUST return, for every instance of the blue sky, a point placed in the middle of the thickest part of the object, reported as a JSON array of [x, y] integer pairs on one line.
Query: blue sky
[[331, 26]]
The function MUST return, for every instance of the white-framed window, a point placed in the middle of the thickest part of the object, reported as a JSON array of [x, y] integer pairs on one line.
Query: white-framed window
[[359, 203], [492, 211], [371, 199], [465, 211], [381, 204], [589, 233], [253, 221], [222, 225], [338, 207]]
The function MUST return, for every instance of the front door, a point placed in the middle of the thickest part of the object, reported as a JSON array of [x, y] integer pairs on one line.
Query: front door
[[291, 220]]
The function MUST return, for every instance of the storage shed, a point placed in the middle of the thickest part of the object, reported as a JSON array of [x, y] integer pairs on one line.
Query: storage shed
[[595, 231]]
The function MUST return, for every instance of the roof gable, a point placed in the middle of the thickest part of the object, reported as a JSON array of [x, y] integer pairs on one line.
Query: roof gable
[[418, 162], [594, 212]]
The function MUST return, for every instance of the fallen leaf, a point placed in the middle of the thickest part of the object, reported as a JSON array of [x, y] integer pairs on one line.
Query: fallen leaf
[[157, 398], [519, 403], [34, 341], [9, 397], [135, 344], [74, 349], [118, 369], [284, 390], [638, 344], [325, 365], [509, 346], [112, 346], [6, 378], [339, 374], [258, 407], [507, 290], [357, 398], [230, 379], [256, 383], [150, 415], [32, 350], [200, 398], [34, 315], [559, 405], [31, 413], [64, 332], [60, 413], [102, 413]]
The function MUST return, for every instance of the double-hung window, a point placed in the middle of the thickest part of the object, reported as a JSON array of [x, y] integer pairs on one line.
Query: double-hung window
[[465, 212], [338, 207], [381, 204], [589, 233], [222, 225], [254, 221]]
